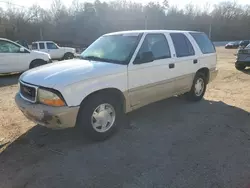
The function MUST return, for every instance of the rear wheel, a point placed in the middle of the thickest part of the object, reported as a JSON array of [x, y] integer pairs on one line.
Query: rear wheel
[[99, 117], [37, 63], [68, 56], [240, 67], [198, 88]]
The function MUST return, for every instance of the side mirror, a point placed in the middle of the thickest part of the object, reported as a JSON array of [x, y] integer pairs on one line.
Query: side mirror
[[22, 50], [145, 57]]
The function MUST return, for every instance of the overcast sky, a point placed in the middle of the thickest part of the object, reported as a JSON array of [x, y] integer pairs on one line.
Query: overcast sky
[[179, 3]]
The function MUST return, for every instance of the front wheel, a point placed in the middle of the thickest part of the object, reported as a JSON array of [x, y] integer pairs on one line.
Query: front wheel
[[240, 67], [198, 88], [99, 117], [68, 56], [37, 63]]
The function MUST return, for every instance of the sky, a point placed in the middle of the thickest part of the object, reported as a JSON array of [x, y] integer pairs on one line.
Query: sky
[[178, 3]]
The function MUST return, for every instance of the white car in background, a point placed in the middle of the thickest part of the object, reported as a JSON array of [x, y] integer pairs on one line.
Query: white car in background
[[16, 58], [56, 52]]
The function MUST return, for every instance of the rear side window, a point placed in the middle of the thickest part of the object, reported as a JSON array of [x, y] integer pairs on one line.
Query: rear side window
[[206, 46], [157, 44], [41, 46], [183, 46], [34, 46]]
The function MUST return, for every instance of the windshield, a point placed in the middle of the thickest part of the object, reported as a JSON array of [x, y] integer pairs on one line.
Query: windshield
[[112, 48], [248, 46]]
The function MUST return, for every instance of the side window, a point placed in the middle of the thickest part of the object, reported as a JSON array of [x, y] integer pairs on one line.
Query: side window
[[7, 47], [206, 46], [41, 46], [183, 46], [157, 45], [51, 46], [34, 46]]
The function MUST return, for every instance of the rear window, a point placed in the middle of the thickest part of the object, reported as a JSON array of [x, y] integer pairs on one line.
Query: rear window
[[206, 46], [34, 46]]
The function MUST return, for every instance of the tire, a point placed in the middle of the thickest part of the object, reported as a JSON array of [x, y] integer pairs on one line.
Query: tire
[[240, 67], [37, 63], [68, 56], [197, 91], [103, 106]]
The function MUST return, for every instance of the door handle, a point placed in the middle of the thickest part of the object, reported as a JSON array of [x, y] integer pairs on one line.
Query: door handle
[[195, 61], [171, 65]]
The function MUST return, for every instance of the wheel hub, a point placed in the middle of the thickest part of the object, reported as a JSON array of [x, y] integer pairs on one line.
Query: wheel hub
[[199, 87], [103, 117]]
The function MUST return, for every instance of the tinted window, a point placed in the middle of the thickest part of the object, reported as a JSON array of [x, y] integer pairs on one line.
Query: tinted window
[[41, 46], [51, 46], [34, 46], [7, 47], [157, 44], [183, 46], [204, 43]]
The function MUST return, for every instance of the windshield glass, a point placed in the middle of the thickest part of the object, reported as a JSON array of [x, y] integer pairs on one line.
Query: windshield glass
[[112, 48], [248, 46]]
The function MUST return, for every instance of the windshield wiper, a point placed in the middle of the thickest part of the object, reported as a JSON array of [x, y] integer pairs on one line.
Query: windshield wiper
[[95, 58]]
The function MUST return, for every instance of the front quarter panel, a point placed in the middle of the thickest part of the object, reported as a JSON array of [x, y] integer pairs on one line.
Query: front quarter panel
[[75, 93], [37, 55]]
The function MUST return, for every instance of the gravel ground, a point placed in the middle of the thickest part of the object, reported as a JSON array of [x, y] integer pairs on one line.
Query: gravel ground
[[172, 143]]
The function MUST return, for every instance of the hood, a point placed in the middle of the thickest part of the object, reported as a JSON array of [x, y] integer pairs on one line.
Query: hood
[[43, 55], [67, 48], [64, 73], [38, 52]]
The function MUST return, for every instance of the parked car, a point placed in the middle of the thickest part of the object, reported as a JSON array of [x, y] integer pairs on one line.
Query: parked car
[[16, 58], [243, 58], [56, 52], [243, 44], [118, 73], [232, 45]]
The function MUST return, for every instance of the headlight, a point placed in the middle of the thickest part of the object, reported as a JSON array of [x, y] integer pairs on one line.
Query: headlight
[[49, 98]]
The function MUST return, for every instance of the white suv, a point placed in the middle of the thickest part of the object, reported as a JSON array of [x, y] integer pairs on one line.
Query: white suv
[[56, 52], [118, 73], [16, 58]]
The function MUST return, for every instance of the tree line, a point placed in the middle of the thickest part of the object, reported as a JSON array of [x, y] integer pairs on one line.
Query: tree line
[[82, 23]]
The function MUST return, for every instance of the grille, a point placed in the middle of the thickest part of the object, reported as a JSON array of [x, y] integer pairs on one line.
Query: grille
[[28, 92]]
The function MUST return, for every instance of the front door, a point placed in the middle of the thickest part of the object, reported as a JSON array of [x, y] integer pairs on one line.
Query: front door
[[53, 50], [151, 80], [11, 58]]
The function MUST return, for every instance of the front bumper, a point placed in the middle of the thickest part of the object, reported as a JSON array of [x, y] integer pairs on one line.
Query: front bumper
[[213, 74], [51, 117]]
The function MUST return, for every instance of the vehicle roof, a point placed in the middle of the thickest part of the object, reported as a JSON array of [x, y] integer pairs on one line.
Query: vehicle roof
[[41, 41], [150, 31], [6, 39]]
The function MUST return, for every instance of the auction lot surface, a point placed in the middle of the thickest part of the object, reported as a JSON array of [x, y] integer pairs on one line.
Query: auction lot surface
[[173, 143]]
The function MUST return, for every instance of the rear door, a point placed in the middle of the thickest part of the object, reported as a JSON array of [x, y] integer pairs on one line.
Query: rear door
[[205, 50], [186, 62], [12, 59], [151, 81], [41, 46]]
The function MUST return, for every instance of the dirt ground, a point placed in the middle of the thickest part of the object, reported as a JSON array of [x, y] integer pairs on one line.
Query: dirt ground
[[172, 143]]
